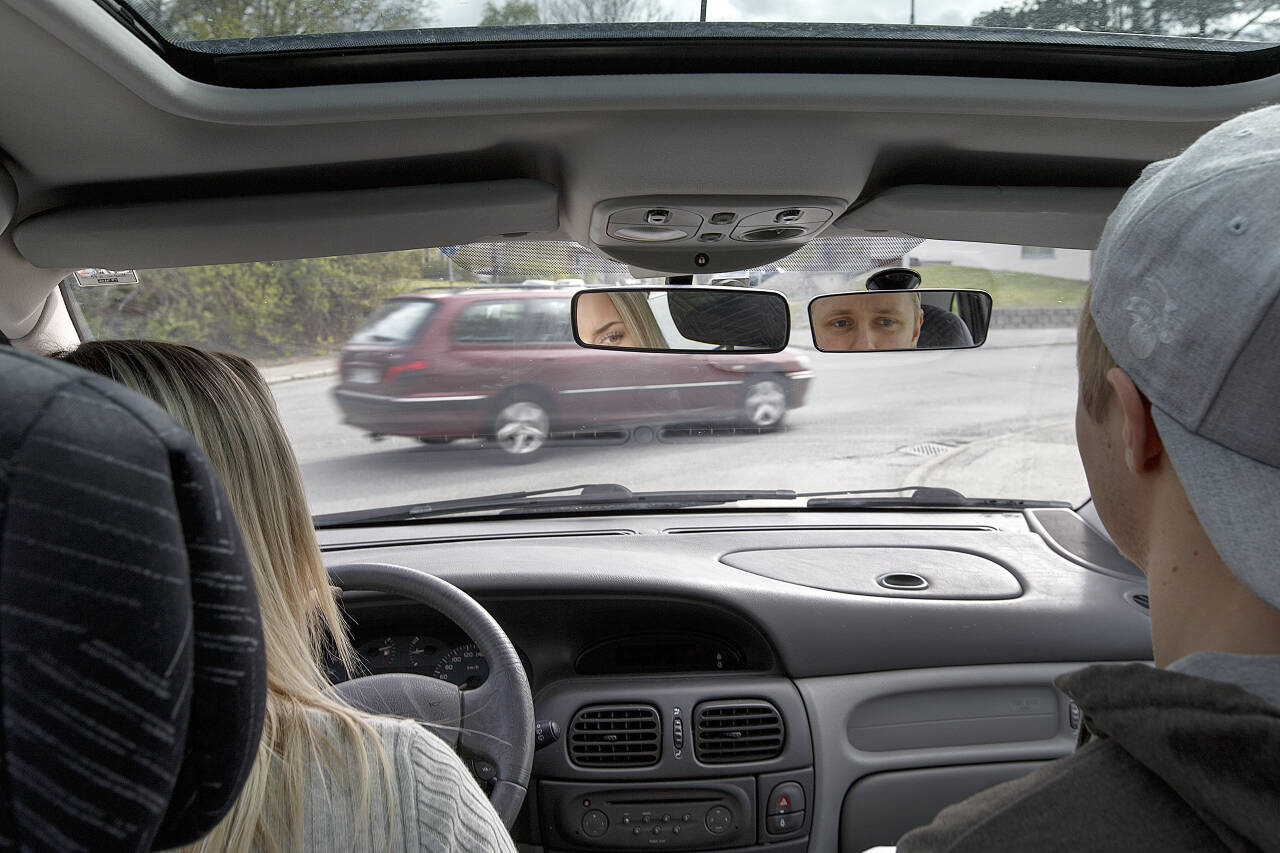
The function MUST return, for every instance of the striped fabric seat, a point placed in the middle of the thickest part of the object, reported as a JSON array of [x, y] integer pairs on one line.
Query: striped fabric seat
[[133, 677]]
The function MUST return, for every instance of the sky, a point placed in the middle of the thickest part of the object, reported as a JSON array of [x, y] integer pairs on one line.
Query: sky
[[464, 13]]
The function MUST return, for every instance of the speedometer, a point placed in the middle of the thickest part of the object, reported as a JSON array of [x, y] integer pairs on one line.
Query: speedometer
[[464, 666]]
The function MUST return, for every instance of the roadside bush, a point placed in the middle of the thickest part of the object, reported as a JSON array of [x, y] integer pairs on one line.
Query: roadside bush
[[261, 310]]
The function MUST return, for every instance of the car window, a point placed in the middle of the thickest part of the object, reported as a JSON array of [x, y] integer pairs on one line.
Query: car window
[[488, 322], [395, 323], [548, 321]]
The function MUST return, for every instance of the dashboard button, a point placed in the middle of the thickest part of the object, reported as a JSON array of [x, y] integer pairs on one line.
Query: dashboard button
[[595, 823], [783, 823], [718, 820], [787, 797]]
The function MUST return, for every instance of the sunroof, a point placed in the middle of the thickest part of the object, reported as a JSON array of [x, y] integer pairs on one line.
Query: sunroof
[[192, 23], [289, 43]]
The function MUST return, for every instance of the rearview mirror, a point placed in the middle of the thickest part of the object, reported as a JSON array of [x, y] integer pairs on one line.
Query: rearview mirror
[[688, 319], [899, 319]]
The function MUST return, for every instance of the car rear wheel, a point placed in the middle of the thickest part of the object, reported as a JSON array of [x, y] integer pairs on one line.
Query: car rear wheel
[[765, 402], [521, 429]]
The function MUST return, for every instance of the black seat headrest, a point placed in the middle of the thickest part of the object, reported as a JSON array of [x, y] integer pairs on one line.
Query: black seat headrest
[[134, 677], [940, 328]]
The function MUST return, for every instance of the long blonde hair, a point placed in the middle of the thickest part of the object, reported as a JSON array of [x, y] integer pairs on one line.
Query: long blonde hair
[[637, 316], [224, 402]]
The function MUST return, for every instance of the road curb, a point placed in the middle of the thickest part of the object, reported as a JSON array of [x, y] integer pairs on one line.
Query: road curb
[[310, 374]]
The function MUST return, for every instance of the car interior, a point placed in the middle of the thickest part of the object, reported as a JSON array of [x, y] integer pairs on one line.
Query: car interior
[[741, 647]]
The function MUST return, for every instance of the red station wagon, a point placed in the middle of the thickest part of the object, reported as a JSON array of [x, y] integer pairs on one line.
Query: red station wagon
[[503, 365]]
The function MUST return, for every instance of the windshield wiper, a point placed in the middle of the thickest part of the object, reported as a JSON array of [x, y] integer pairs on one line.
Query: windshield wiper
[[921, 496], [589, 496]]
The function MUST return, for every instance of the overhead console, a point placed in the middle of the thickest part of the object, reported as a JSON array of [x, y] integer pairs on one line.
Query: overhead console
[[691, 234]]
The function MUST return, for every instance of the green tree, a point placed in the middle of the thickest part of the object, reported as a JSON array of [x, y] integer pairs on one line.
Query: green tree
[[258, 309], [1229, 19], [197, 20], [511, 13], [602, 11]]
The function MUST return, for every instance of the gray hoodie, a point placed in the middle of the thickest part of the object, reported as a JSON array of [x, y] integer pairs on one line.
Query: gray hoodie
[[1167, 762]]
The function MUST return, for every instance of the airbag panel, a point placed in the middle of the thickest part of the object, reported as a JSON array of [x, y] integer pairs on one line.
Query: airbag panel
[[958, 716], [860, 570]]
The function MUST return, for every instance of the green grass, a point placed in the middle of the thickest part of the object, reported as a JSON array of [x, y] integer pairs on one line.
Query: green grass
[[1007, 289]]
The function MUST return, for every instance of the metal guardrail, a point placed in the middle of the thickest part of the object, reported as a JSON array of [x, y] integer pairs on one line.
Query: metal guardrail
[[1050, 317]]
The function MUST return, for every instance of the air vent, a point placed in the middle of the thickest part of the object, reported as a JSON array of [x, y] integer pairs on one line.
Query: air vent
[[735, 731], [615, 736]]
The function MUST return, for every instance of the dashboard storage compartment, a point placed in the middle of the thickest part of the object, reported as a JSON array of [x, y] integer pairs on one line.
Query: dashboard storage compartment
[[879, 808]]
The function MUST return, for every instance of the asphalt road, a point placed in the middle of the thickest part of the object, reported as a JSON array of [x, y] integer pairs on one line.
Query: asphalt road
[[995, 421]]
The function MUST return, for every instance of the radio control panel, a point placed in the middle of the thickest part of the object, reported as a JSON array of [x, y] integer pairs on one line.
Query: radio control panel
[[703, 816]]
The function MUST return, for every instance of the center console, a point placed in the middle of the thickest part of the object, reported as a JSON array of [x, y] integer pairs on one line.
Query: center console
[[722, 763]]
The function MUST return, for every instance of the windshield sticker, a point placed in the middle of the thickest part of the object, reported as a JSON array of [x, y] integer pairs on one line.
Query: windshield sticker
[[97, 277]]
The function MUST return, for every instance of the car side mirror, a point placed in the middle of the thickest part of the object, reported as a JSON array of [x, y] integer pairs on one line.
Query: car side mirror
[[863, 320], [682, 319]]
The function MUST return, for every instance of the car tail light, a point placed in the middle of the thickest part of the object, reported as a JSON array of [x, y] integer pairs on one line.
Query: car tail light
[[394, 372]]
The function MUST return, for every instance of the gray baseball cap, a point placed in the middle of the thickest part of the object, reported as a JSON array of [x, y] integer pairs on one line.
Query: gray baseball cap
[[1186, 281]]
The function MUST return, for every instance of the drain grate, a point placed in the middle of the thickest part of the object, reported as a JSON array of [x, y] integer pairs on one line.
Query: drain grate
[[926, 448]]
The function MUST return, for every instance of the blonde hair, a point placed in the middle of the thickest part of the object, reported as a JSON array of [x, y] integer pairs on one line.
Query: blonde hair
[[1093, 360], [637, 316], [223, 401]]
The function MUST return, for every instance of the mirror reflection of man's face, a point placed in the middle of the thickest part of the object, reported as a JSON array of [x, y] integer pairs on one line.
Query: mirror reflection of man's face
[[866, 321], [600, 323]]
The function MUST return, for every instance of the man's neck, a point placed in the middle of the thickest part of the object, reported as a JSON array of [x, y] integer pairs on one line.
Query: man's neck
[[1197, 605]]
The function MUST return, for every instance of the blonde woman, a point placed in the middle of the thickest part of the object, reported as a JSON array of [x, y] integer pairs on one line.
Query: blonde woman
[[619, 319], [327, 777]]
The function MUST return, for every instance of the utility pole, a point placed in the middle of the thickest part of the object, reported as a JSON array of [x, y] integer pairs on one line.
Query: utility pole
[[703, 19], [913, 11]]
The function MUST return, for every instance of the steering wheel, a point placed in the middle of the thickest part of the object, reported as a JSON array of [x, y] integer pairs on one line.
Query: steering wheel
[[490, 726]]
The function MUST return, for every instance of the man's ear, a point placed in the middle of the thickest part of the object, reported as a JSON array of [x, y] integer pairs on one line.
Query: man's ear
[[1142, 445]]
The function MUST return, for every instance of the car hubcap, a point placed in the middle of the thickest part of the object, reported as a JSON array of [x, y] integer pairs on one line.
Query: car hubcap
[[766, 403], [522, 427]]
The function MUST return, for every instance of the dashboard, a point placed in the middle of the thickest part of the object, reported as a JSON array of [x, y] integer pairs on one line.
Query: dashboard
[[800, 680]]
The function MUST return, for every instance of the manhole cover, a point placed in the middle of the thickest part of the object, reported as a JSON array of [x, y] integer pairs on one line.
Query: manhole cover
[[925, 448]]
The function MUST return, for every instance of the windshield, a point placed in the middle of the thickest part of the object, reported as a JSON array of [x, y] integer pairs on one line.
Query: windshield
[[193, 23], [423, 376]]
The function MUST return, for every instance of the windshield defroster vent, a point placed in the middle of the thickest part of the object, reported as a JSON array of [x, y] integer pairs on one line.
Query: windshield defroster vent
[[615, 736], [735, 731]]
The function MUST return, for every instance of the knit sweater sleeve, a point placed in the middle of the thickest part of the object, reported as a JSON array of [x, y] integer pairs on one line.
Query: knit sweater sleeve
[[444, 809]]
